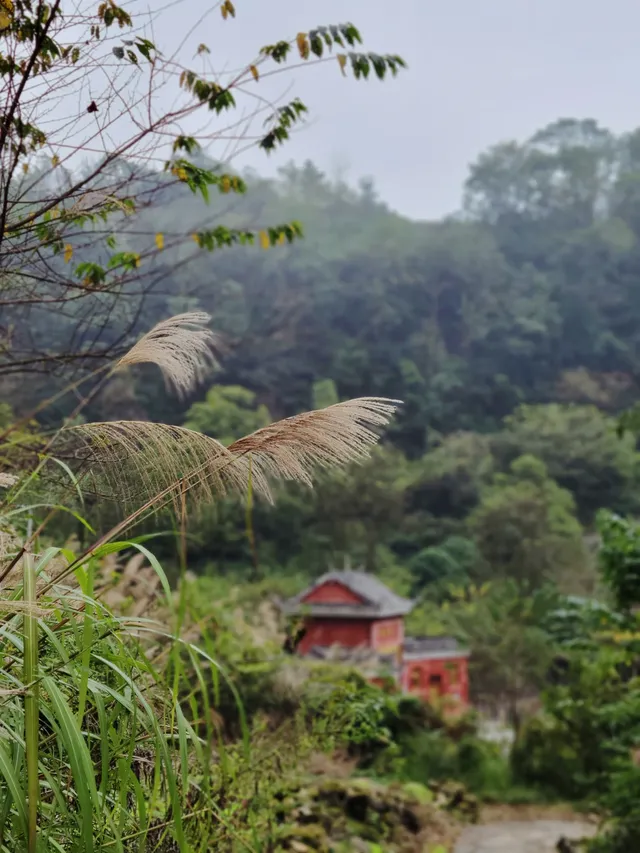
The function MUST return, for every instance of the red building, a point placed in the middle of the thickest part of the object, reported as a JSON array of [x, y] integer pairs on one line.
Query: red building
[[354, 611]]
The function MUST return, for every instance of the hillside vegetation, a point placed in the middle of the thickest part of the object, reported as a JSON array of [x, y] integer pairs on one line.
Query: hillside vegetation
[[226, 365]]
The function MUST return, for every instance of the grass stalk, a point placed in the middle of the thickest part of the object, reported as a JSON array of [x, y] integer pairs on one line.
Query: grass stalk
[[87, 641], [249, 524], [31, 699]]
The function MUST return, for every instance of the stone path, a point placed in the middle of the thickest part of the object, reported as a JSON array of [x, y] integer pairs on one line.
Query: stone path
[[539, 836]]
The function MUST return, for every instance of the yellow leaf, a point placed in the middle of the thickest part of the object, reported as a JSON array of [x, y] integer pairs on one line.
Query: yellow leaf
[[254, 71], [303, 45], [136, 260], [55, 160], [160, 241], [195, 239], [68, 253], [342, 61], [55, 213], [180, 172], [265, 242], [6, 13], [225, 183], [282, 239], [227, 9], [25, 168]]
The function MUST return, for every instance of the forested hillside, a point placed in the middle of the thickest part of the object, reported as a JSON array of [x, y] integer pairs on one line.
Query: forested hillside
[[509, 331], [179, 343]]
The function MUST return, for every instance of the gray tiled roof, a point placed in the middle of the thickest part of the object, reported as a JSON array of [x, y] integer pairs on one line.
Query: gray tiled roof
[[379, 601], [430, 644]]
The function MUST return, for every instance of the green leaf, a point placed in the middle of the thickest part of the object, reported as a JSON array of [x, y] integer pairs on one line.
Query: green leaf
[[79, 759], [14, 786], [145, 47]]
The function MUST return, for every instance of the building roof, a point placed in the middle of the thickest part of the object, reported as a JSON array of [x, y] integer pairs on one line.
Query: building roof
[[378, 601], [431, 644], [419, 648]]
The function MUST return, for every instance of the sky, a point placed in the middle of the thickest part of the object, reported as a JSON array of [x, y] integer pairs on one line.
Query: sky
[[479, 73]]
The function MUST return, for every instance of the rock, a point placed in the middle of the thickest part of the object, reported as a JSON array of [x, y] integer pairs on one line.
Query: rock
[[362, 815], [357, 806]]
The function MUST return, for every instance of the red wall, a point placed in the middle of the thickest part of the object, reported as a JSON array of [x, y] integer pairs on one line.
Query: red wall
[[332, 593], [329, 632], [433, 679]]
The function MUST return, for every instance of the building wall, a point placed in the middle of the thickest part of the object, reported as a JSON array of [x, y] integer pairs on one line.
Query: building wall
[[434, 678], [332, 593], [387, 635], [330, 632]]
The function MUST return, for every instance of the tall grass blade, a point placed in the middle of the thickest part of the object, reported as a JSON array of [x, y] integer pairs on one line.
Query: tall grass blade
[[86, 642], [160, 743], [31, 700], [79, 759], [9, 772]]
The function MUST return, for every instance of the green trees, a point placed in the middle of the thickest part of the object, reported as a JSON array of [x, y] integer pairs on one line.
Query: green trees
[[511, 651], [562, 173], [528, 298], [454, 562], [620, 559], [525, 526], [448, 479], [227, 413], [582, 450], [94, 233], [584, 745]]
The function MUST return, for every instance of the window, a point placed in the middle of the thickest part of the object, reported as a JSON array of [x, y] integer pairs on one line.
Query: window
[[435, 683]]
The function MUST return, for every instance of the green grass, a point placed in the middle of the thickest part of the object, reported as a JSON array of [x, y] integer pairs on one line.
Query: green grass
[[96, 750]]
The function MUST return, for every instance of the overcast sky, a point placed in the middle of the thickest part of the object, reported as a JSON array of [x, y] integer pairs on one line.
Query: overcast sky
[[480, 72]]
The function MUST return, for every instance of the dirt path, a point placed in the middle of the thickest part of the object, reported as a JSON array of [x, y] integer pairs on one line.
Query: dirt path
[[538, 836]]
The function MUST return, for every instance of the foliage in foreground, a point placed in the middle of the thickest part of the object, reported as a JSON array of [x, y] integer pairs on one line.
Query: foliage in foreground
[[138, 746], [584, 746], [107, 742]]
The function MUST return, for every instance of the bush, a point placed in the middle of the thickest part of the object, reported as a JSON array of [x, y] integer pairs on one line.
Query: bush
[[589, 727], [480, 766], [622, 833], [546, 756]]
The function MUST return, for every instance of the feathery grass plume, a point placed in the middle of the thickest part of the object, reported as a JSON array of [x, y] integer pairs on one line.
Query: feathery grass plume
[[7, 480], [182, 347], [336, 435], [9, 543], [130, 462]]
